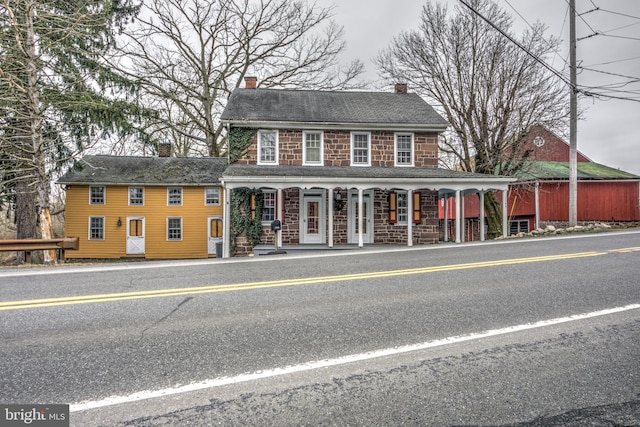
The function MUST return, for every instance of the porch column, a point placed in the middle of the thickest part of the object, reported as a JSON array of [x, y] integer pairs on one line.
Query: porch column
[[360, 202], [226, 224], [481, 216], [410, 218], [446, 217], [279, 209], [463, 220], [330, 203], [537, 196], [505, 212], [457, 216]]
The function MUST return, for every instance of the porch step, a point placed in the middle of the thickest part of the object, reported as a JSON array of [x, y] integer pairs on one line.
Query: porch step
[[270, 249]]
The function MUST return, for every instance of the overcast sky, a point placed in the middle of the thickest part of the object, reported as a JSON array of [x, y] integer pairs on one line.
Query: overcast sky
[[610, 130]]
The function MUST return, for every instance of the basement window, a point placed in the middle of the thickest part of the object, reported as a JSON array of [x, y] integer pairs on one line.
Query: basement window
[[518, 226]]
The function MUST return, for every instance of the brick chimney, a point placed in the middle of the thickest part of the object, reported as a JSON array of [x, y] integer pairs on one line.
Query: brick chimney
[[250, 82], [401, 88], [165, 149]]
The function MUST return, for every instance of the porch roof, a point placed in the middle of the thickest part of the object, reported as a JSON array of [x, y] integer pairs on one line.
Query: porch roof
[[281, 176]]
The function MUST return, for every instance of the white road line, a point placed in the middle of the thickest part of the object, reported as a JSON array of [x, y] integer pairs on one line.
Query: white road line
[[222, 381]]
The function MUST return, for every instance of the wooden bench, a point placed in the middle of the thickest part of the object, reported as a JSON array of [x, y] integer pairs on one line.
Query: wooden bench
[[28, 245]]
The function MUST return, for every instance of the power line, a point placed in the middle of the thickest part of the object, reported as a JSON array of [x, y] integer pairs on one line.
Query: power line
[[614, 62], [527, 51], [555, 48], [620, 37], [620, 14], [609, 73]]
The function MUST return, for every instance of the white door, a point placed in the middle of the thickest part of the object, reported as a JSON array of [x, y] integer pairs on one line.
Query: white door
[[313, 219], [215, 233], [135, 235], [367, 215]]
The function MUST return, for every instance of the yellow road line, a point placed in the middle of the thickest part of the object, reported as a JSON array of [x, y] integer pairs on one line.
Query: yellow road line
[[87, 299], [625, 250]]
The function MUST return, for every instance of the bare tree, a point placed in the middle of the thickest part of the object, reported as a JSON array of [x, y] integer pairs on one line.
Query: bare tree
[[189, 55], [490, 90]]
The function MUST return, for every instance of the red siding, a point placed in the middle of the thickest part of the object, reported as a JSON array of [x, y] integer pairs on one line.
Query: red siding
[[597, 201]]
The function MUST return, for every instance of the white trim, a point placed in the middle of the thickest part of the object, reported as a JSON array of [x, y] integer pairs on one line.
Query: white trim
[[275, 209], [212, 187], [395, 149], [353, 232], [351, 149], [129, 194], [181, 195], [104, 195], [321, 196], [304, 148], [211, 241], [283, 182], [258, 147], [406, 221], [104, 228], [135, 245], [181, 229]]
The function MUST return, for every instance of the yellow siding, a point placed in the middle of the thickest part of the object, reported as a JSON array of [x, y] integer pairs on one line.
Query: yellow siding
[[194, 214]]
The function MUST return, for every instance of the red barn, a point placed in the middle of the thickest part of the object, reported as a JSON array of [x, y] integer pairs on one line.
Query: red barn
[[541, 196]]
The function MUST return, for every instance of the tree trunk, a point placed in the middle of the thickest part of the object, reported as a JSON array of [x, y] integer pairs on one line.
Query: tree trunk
[[25, 215], [494, 215]]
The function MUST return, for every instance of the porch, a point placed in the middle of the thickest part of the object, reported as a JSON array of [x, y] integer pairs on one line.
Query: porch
[[312, 214]]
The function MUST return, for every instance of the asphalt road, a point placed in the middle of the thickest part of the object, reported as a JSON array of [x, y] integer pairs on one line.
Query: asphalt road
[[426, 336]]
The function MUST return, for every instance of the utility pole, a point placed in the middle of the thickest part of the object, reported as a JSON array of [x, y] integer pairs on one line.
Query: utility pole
[[573, 119]]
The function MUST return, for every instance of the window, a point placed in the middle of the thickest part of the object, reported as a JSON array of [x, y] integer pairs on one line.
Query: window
[[402, 208], [96, 195], [174, 228], [313, 151], [518, 226], [216, 228], [174, 196], [96, 228], [212, 196], [136, 196], [267, 147], [399, 207], [360, 151], [404, 149], [269, 205]]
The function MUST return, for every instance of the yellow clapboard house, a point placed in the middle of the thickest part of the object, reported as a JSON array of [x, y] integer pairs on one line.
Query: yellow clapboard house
[[145, 207]]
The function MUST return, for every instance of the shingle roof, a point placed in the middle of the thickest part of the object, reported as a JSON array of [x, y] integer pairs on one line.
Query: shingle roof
[[560, 170], [308, 106], [124, 170], [239, 170]]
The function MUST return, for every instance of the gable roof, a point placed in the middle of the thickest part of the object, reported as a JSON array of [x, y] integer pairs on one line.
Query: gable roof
[[260, 107], [138, 170], [560, 170]]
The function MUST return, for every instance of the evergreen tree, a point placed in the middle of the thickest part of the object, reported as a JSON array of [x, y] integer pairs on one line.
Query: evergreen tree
[[57, 98]]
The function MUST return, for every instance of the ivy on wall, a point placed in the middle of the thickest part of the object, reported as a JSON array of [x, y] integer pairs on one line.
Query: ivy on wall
[[239, 141], [243, 218]]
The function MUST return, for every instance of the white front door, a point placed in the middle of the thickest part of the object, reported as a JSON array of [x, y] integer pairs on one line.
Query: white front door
[[313, 219], [367, 215], [135, 235], [215, 233]]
